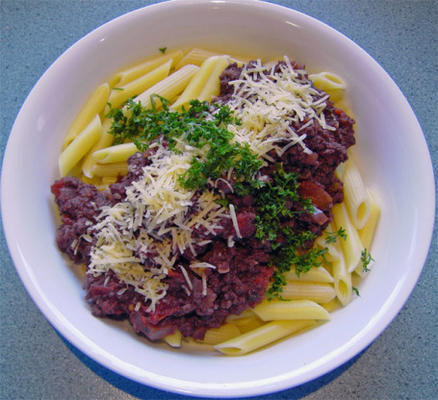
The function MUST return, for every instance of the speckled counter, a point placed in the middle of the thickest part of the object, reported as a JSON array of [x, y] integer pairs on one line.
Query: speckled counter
[[37, 363]]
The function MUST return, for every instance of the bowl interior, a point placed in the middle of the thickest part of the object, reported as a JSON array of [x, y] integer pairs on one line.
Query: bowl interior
[[391, 152]]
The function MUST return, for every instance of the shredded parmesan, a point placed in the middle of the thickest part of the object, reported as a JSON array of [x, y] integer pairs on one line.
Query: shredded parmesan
[[186, 290], [202, 265], [186, 277], [141, 238], [234, 220], [269, 102], [204, 285]]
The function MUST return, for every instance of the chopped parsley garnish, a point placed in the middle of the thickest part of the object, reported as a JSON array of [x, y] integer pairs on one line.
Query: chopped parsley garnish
[[277, 202], [332, 237], [198, 127], [162, 49], [366, 260], [355, 290]]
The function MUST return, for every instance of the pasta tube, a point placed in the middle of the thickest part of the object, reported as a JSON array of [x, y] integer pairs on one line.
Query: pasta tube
[[261, 336], [319, 274], [248, 323], [290, 310], [79, 146], [317, 292], [332, 305], [196, 57], [212, 86], [108, 180], [366, 234], [94, 105], [114, 154], [105, 140], [356, 195], [174, 340], [351, 246], [130, 74], [245, 314], [134, 88], [333, 252], [330, 83], [339, 171], [221, 334], [114, 170], [342, 279], [205, 82], [170, 87]]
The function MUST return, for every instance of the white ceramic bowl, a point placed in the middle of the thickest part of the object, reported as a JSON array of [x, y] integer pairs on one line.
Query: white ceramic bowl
[[391, 150]]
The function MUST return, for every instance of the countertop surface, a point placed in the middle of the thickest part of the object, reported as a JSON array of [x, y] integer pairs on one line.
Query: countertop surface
[[402, 363]]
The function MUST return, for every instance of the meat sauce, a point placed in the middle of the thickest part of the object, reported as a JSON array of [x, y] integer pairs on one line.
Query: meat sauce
[[242, 274]]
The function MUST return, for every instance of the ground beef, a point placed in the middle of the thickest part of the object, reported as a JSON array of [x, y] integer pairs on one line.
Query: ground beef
[[242, 273]]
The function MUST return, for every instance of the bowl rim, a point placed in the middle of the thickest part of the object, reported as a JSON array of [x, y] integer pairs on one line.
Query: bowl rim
[[80, 341]]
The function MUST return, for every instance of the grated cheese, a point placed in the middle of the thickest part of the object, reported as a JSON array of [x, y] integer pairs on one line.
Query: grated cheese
[[204, 285], [202, 265], [268, 103], [186, 277], [141, 238], [234, 220]]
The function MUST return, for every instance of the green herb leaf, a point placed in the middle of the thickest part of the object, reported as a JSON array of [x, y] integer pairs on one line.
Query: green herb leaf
[[331, 237], [162, 49], [365, 259]]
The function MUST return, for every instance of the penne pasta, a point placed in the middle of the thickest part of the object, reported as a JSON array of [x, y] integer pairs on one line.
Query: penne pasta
[[330, 83], [80, 146], [114, 154], [245, 314], [193, 345], [95, 180], [94, 105], [110, 170], [339, 172], [130, 74], [332, 305], [174, 340], [113, 80], [342, 280], [355, 195], [261, 336], [333, 252], [317, 292], [319, 274], [196, 57], [205, 83], [351, 246], [170, 87], [211, 87], [221, 334], [248, 323], [367, 233], [105, 140], [138, 86], [108, 180], [290, 310]]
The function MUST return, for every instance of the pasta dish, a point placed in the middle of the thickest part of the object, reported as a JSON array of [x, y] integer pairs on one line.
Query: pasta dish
[[212, 200]]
